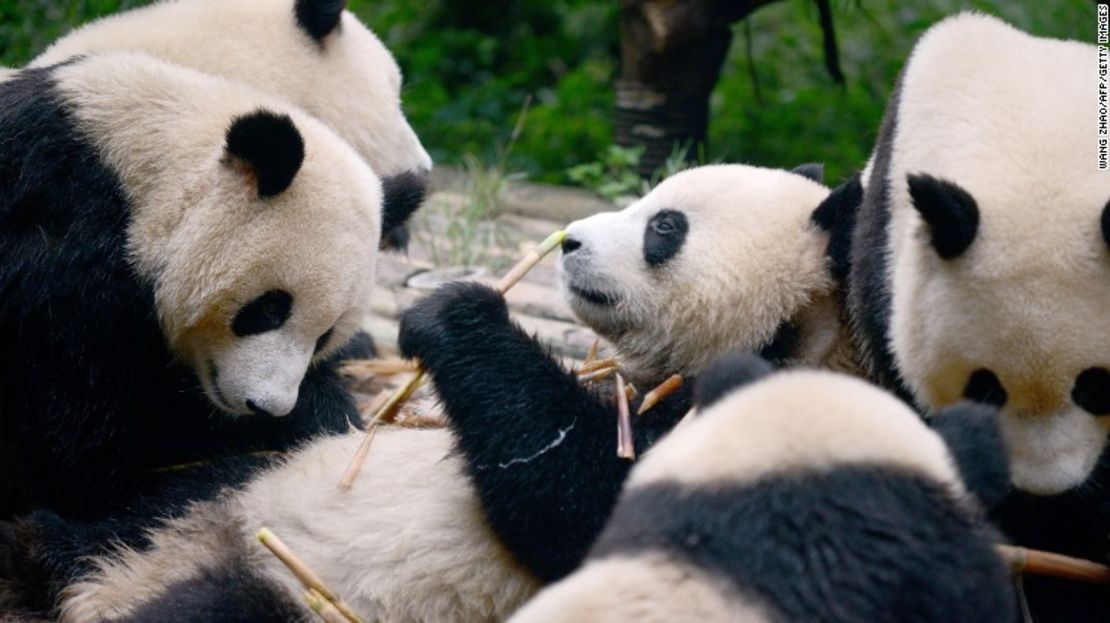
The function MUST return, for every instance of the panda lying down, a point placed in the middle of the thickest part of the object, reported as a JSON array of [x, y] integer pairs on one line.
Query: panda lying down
[[456, 525]]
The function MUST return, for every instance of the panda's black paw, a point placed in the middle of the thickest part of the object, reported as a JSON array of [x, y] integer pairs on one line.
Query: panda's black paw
[[455, 312]]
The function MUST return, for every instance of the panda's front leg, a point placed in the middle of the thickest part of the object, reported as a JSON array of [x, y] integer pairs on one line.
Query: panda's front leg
[[540, 449]]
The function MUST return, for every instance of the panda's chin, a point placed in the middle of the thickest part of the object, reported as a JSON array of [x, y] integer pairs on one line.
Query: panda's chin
[[593, 297]]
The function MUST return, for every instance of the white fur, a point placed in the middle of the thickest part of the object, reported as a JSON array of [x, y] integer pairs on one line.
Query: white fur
[[407, 543], [200, 233], [1011, 119], [751, 261], [649, 588], [351, 82], [797, 419]]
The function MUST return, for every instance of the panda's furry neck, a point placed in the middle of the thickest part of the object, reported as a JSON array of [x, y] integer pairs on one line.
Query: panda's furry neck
[[97, 398]]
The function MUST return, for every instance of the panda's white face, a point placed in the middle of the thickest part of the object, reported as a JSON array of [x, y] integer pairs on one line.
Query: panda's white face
[[1000, 243], [713, 259], [310, 52], [250, 220]]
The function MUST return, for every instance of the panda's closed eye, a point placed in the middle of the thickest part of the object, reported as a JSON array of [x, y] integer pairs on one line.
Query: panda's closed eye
[[1092, 391], [265, 313], [322, 341], [983, 386]]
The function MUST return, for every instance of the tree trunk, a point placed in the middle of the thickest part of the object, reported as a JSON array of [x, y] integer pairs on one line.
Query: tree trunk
[[671, 57]]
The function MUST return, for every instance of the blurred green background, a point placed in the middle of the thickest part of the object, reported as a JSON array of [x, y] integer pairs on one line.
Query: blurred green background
[[470, 67]]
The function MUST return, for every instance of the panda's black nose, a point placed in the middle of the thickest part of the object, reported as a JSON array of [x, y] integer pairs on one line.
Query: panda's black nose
[[255, 409], [570, 244]]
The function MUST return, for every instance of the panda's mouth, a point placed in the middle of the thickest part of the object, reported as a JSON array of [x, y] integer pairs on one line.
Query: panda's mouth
[[594, 296]]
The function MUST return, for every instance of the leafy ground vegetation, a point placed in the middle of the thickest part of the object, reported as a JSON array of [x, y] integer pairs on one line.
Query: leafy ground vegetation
[[470, 68]]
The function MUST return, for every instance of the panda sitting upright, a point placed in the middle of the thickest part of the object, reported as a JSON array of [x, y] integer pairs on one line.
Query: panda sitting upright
[[464, 524], [981, 269], [309, 52], [181, 258]]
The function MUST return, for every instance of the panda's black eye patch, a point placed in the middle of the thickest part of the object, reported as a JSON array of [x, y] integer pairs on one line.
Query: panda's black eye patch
[[265, 313], [1092, 391], [983, 386], [664, 236], [322, 341]]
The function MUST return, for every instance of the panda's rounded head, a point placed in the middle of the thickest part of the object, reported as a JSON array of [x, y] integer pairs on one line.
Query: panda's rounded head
[[1000, 243], [259, 260], [713, 259]]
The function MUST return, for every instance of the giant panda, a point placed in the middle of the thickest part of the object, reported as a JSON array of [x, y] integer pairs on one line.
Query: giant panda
[[181, 259], [803, 496], [309, 52], [465, 524], [981, 269]]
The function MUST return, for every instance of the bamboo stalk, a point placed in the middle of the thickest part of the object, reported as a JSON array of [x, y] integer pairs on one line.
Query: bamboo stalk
[[515, 274], [598, 375], [304, 573], [592, 354], [666, 388], [323, 608], [626, 448], [1037, 562], [597, 364]]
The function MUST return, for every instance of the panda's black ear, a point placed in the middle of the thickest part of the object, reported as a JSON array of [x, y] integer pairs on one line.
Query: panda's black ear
[[837, 216], [270, 145], [948, 210], [811, 170], [319, 17], [1106, 223], [970, 430], [726, 374]]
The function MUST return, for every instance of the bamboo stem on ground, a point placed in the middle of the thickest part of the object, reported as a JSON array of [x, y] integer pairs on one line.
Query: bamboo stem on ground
[[304, 573], [515, 274], [1037, 562]]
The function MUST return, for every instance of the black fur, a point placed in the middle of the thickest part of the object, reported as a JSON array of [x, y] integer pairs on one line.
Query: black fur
[[664, 237], [93, 400], [854, 543], [403, 194], [319, 18], [270, 145], [869, 295], [970, 430], [837, 216], [726, 374], [950, 212], [811, 170], [233, 592], [508, 401], [782, 346], [1092, 391], [1074, 523], [265, 313], [1106, 223], [983, 386]]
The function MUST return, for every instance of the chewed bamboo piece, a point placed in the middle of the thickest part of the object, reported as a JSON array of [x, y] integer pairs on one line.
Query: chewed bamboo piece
[[515, 274], [598, 375], [626, 448], [655, 396], [324, 608], [377, 367], [595, 365], [592, 354], [305, 574], [1037, 562]]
